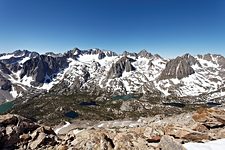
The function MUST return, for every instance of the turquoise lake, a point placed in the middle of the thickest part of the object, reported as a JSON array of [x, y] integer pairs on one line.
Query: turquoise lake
[[5, 107]]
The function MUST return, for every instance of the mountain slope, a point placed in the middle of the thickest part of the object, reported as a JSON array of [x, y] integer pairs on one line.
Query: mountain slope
[[102, 71]]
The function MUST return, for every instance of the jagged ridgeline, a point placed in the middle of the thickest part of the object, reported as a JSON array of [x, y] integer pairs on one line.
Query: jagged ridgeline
[[112, 83]]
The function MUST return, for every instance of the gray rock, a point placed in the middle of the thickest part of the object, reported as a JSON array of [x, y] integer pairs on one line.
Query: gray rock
[[11, 127], [38, 141], [117, 69], [125, 53], [8, 119], [5, 84], [221, 61], [144, 53], [25, 53], [14, 67], [101, 55], [168, 143], [4, 69], [74, 53], [106, 143], [5, 95], [43, 65], [98, 51], [179, 67]]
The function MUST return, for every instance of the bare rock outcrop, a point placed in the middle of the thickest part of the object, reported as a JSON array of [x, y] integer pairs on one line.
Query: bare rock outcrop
[[168, 143], [117, 69], [43, 65], [179, 67], [144, 53], [17, 132]]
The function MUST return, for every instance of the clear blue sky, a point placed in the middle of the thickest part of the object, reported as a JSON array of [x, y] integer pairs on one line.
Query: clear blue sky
[[167, 27]]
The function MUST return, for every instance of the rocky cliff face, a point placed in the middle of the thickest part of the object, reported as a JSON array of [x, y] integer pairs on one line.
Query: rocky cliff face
[[4, 69], [5, 88], [117, 69], [131, 54], [144, 53], [5, 84], [179, 67], [42, 66]]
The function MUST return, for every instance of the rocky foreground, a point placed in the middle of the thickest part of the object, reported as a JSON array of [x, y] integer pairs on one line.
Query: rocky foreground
[[159, 132]]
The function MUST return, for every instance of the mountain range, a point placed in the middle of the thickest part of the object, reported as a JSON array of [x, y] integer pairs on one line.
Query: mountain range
[[99, 71]]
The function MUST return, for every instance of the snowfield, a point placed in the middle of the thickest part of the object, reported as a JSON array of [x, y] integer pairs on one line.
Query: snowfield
[[211, 145]]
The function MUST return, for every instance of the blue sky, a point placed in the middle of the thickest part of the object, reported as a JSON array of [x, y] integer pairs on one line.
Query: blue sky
[[166, 27]]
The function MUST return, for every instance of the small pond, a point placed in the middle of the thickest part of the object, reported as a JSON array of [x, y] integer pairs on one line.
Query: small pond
[[5, 107], [212, 104], [71, 114], [175, 104]]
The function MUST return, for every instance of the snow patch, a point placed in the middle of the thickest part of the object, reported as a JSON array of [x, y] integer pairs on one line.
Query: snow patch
[[175, 81], [60, 128], [101, 125], [6, 56], [27, 80], [14, 93], [206, 63], [76, 131], [88, 58], [211, 145], [24, 60]]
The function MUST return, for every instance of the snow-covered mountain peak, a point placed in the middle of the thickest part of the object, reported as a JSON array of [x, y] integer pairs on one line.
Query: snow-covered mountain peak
[[105, 71]]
